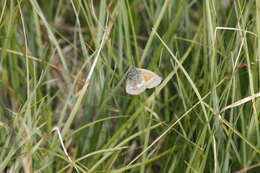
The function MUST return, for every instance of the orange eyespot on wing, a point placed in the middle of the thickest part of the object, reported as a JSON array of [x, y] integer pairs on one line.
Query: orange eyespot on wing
[[147, 76], [151, 78]]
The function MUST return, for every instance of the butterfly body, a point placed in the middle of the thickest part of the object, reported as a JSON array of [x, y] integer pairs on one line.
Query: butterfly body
[[139, 79]]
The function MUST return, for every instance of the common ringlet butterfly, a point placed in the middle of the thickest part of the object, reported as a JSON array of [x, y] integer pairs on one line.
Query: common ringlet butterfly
[[138, 79]]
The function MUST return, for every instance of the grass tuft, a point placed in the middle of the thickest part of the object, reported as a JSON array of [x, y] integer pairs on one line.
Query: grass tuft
[[63, 68]]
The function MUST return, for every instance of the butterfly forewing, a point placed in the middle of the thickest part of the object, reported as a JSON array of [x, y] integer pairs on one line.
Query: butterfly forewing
[[151, 79]]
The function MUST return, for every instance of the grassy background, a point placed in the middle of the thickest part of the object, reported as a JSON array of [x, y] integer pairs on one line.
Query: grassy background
[[64, 64]]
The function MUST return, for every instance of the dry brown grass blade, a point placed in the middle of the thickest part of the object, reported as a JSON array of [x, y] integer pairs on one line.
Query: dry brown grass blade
[[248, 168], [55, 67], [240, 102]]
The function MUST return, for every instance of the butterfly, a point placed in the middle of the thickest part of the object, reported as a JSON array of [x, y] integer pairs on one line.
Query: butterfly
[[138, 79]]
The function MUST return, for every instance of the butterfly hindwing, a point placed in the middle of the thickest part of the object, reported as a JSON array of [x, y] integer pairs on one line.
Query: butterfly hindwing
[[135, 84]]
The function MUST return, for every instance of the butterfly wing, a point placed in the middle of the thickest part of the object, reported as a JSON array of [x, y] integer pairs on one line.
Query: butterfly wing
[[151, 79], [134, 88], [135, 83]]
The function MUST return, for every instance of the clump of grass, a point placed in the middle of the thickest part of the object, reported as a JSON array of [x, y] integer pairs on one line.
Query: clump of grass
[[63, 67]]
